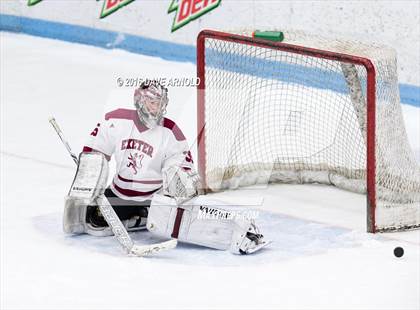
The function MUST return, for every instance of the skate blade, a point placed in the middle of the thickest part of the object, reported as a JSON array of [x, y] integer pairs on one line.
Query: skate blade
[[259, 247]]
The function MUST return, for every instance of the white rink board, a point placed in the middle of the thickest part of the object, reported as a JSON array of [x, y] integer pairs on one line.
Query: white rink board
[[394, 23]]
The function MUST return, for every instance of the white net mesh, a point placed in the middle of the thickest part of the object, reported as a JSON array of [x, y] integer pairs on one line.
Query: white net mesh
[[275, 116]]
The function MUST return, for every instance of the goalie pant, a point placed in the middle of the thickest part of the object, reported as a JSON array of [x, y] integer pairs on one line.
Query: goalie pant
[[202, 222]]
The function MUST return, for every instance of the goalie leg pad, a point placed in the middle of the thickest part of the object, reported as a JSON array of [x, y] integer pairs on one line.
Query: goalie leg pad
[[199, 222], [89, 182], [74, 216], [77, 219]]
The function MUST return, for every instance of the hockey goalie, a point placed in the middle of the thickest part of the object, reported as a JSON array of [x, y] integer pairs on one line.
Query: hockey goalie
[[155, 186]]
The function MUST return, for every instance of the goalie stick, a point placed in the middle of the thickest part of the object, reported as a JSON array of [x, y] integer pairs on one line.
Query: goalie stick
[[113, 220], [63, 139]]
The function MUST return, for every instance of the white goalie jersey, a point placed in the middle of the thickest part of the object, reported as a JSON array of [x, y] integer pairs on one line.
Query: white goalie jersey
[[140, 153]]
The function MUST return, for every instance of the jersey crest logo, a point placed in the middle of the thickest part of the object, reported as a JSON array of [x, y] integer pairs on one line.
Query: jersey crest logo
[[135, 161]]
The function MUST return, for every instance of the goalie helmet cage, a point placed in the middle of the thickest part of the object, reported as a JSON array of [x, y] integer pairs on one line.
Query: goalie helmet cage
[[312, 110]]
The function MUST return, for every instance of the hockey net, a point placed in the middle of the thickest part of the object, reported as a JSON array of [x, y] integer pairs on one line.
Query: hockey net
[[308, 110]]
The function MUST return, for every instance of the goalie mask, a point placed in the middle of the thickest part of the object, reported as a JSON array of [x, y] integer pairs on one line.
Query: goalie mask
[[150, 100]]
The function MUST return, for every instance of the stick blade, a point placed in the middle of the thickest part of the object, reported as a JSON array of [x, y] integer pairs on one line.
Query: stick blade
[[144, 250]]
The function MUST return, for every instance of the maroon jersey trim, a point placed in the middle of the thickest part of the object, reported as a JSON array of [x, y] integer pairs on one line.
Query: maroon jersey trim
[[139, 181], [133, 193], [88, 149], [171, 125], [127, 114]]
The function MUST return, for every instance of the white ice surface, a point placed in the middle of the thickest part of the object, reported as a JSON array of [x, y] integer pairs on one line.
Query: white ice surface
[[321, 257]]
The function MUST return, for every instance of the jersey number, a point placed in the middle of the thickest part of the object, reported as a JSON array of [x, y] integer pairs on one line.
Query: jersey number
[[95, 131], [188, 157]]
